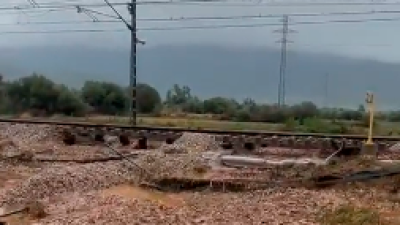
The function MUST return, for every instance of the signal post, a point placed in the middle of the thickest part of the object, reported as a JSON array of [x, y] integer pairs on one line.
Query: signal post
[[369, 147]]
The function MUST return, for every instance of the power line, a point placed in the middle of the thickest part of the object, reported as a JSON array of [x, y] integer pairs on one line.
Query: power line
[[255, 25], [183, 19], [119, 17], [31, 11], [243, 17], [238, 17], [70, 22], [205, 4], [103, 14], [36, 7], [64, 31], [269, 4], [60, 6], [261, 16], [177, 28], [33, 3], [87, 13]]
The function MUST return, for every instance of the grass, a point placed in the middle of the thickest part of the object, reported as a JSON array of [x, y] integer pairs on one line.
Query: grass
[[180, 122], [351, 215]]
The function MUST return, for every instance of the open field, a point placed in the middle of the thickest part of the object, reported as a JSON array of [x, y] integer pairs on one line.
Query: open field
[[192, 181], [174, 122], [193, 123]]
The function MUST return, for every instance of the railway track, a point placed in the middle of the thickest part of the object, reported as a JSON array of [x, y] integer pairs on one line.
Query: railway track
[[263, 138]]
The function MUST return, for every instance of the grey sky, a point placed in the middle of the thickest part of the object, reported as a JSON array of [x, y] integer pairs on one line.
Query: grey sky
[[376, 40]]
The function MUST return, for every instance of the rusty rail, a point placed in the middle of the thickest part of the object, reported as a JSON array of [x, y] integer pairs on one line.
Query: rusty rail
[[199, 130]]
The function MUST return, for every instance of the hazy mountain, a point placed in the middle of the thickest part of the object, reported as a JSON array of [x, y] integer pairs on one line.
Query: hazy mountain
[[211, 70]]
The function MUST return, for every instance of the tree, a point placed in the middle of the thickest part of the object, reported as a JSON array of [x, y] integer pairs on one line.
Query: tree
[[272, 114], [361, 108], [305, 110], [177, 96], [105, 97], [148, 98], [33, 93], [194, 105], [70, 103], [39, 95], [219, 105]]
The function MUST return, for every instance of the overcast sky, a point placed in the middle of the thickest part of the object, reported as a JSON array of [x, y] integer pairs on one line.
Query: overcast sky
[[377, 40]]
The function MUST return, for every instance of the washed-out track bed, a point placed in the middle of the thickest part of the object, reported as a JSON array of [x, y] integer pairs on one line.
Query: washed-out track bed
[[88, 131], [235, 141]]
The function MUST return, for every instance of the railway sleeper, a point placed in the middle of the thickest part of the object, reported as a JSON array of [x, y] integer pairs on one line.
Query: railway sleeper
[[141, 143], [99, 138], [124, 139], [264, 145], [227, 145], [260, 140], [187, 184], [169, 140], [69, 138], [249, 146], [325, 181]]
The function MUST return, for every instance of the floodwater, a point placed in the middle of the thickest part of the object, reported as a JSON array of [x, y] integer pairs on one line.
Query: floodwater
[[131, 192]]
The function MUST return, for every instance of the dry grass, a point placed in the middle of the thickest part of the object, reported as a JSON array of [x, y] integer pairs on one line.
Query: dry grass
[[351, 215], [189, 122], [205, 121]]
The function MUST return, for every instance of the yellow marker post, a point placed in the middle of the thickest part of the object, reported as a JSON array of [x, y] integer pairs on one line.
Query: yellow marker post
[[369, 146], [370, 103]]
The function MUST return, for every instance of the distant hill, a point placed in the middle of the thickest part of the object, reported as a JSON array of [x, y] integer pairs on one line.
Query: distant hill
[[213, 70]]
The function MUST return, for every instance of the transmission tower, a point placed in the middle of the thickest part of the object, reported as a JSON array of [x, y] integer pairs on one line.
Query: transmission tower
[[326, 90], [282, 68]]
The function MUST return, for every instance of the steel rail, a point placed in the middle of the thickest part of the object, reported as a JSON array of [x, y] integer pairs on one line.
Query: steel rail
[[193, 130]]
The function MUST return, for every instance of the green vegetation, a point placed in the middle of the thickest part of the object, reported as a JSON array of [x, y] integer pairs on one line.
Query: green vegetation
[[351, 215], [39, 96]]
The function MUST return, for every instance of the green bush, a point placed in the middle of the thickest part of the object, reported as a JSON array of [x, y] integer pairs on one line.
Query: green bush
[[316, 125], [290, 125]]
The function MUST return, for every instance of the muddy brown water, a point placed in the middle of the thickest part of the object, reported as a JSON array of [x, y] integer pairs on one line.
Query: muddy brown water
[[132, 192]]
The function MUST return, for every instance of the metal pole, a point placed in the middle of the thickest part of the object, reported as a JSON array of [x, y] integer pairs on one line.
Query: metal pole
[[282, 69], [133, 82], [326, 90]]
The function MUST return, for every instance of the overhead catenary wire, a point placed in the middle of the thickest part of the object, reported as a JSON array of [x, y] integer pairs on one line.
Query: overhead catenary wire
[[61, 6], [85, 6], [200, 27], [245, 17], [200, 18], [264, 16], [255, 25], [269, 4], [118, 15], [71, 5], [33, 3]]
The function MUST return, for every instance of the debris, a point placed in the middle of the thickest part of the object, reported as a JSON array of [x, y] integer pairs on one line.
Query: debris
[[74, 178], [193, 142]]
